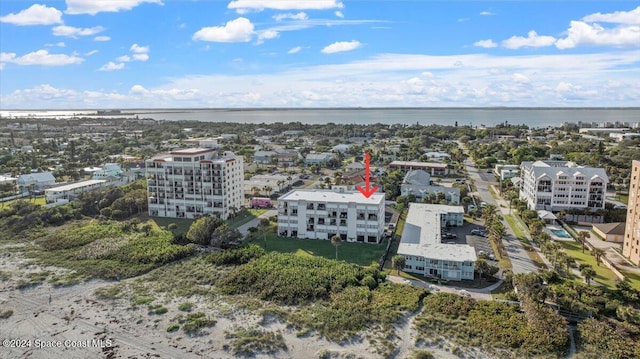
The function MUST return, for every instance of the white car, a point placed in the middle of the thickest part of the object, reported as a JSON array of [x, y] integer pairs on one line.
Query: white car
[[464, 293], [433, 288], [406, 281]]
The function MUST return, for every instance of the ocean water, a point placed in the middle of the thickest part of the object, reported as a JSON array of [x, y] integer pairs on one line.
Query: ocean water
[[532, 117]]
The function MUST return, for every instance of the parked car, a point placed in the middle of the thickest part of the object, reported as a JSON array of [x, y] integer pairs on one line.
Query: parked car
[[464, 293], [478, 232], [483, 204]]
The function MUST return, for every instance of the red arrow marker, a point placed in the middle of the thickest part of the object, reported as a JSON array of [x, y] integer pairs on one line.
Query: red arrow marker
[[367, 192]]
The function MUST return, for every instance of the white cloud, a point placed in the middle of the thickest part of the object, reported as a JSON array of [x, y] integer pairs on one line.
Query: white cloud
[[111, 66], [35, 15], [138, 89], [238, 30], [619, 17], [520, 78], [92, 7], [41, 57], [487, 44], [102, 38], [486, 13], [92, 52], [290, 16], [70, 31], [339, 14], [123, 58], [341, 46], [242, 6], [57, 44], [580, 33], [602, 79], [294, 50], [137, 49], [267, 35], [1, 66], [532, 40], [140, 57]]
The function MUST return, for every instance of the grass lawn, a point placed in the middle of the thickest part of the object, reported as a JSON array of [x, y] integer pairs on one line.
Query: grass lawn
[[358, 253], [36, 200], [633, 278], [501, 292], [182, 223], [603, 274], [533, 255], [624, 198], [245, 216]]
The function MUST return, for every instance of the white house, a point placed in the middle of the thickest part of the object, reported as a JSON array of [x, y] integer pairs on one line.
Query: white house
[[418, 184], [321, 214], [318, 158], [558, 185], [35, 181], [422, 247]]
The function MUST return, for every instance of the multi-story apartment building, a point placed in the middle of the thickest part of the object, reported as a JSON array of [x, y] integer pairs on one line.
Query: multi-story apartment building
[[321, 214], [194, 182], [558, 185], [631, 244], [423, 248]]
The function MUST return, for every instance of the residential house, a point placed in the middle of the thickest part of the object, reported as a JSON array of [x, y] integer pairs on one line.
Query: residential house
[[610, 232], [35, 181]]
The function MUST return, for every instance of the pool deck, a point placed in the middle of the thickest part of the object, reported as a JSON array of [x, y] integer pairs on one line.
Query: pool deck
[[550, 228]]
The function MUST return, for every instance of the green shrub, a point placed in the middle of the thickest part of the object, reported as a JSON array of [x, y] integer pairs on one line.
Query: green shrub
[[172, 328], [185, 307], [237, 256], [254, 341], [195, 322]]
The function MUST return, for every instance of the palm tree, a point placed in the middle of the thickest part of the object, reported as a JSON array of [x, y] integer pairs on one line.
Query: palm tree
[[267, 190], [255, 190], [582, 237], [336, 240], [570, 262], [598, 253], [535, 227], [588, 273], [398, 262]]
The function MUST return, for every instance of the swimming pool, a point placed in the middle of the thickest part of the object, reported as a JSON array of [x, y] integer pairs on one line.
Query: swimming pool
[[560, 233]]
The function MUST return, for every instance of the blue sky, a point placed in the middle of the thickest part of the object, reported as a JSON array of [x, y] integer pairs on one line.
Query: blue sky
[[317, 53]]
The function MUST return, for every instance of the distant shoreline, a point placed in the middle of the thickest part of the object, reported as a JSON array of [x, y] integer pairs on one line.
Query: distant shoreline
[[239, 109]]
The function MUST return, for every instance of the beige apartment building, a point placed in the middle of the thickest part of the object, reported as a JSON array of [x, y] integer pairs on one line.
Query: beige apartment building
[[631, 245]]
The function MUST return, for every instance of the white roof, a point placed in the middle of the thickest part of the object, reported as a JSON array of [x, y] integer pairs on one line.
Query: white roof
[[72, 186], [571, 169], [332, 196], [38, 177], [421, 235], [418, 164]]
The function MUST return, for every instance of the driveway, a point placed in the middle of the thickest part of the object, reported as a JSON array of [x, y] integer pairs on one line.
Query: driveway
[[520, 260], [244, 229]]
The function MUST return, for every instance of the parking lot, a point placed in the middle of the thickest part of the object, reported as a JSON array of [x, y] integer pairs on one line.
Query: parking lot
[[464, 236]]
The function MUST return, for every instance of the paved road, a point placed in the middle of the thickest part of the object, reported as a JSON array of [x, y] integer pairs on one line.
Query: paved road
[[520, 260]]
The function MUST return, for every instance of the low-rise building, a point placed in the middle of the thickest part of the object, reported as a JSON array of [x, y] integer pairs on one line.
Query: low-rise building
[[108, 170], [504, 172], [264, 157], [321, 214], [318, 158], [610, 232], [65, 193], [433, 168], [422, 247], [267, 185], [418, 184], [35, 181]]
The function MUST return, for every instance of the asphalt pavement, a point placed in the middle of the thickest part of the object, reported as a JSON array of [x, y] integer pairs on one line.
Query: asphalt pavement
[[520, 260]]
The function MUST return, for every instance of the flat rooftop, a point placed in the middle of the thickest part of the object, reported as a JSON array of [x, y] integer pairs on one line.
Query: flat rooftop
[[72, 186], [192, 151], [421, 235], [332, 196], [418, 164]]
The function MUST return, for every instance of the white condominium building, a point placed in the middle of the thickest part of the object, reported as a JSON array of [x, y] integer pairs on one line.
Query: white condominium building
[[422, 247], [321, 214], [558, 185], [194, 182]]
